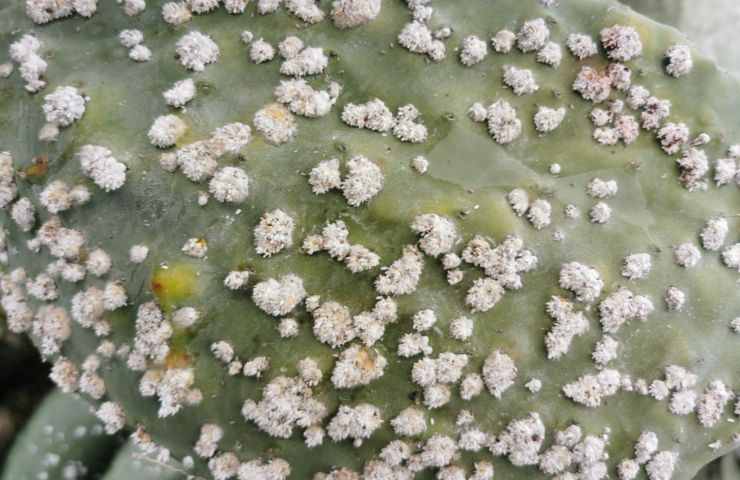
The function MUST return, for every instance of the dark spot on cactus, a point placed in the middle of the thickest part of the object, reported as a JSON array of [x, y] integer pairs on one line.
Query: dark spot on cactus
[[204, 88], [344, 396], [546, 191]]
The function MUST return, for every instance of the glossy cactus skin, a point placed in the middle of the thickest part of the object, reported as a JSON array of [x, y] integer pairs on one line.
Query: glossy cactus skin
[[706, 27], [129, 463], [467, 169], [722, 468], [62, 434]]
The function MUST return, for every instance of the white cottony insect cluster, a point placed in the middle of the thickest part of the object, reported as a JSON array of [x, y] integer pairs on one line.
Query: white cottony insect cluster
[[132, 39], [363, 181], [196, 50], [374, 115], [334, 240], [385, 359], [25, 52], [99, 164]]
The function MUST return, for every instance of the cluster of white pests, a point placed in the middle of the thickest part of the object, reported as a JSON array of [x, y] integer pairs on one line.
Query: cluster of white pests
[[134, 40], [344, 13], [181, 93], [45, 11], [198, 161], [538, 212], [25, 52], [334, 240], [363, 181], [376, 116], [62, 108], [98, 163], [611, 125], [501, 118], [304, 100], [196, 50], [289, 403], [417, 37]]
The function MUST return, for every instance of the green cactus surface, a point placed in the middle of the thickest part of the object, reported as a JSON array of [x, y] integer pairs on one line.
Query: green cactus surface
[[130, 463], [468, 179], [62, 440]]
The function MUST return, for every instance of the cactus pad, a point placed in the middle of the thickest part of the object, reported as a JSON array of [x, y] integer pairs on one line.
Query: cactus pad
[[275, 243]]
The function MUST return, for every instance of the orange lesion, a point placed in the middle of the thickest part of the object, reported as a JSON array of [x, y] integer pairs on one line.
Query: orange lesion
[[174, 284], [366, 360], [38, 168], [177, 358]]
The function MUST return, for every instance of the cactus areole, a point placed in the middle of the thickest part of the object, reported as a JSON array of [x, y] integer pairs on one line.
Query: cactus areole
[[366, 239]]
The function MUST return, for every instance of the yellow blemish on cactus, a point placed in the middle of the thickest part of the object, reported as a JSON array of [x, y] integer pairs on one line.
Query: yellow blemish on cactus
[[174, 284]]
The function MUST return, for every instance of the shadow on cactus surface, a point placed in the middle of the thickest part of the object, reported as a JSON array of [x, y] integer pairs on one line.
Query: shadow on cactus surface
[[25, 381], [344, 240]]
